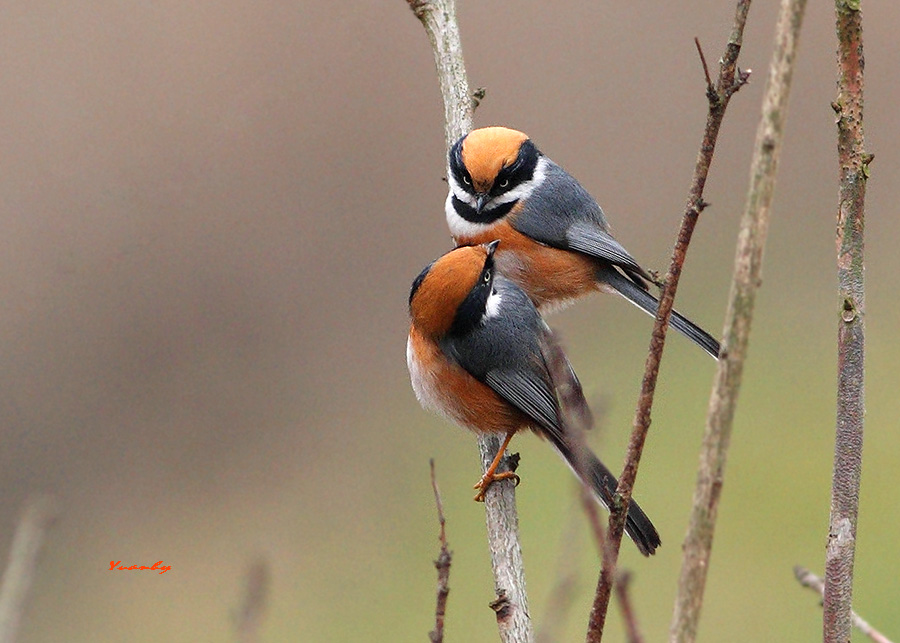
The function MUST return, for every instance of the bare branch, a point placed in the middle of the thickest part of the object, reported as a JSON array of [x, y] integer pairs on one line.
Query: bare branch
[[561, 597], [439, 19], [502, 518], [589, 503], [841, 547], [442, 564], [559, 604], [40, 514], [808, 579], [746, 280], [253, 605], [631, 626], [729, 81], [709, 84], [576, 418], [575, 415]]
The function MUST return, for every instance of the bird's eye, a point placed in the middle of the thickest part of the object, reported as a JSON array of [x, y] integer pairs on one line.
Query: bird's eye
[[467, 181], [504, 183], [487, 276]]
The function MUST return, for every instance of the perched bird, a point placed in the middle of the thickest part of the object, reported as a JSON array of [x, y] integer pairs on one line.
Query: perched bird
[[556, 242], [478, 353]]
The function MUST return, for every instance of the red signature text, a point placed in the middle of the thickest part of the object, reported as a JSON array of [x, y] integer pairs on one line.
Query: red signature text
[[162, 569]]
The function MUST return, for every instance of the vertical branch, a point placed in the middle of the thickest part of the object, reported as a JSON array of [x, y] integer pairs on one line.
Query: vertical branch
[[747, 270], [854, 162], [511, 606], [38, 517], [439, 19], [502, 518], [730, 80]]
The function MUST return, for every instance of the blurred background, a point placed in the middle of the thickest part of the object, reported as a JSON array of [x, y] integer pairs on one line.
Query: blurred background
[[210, 218]]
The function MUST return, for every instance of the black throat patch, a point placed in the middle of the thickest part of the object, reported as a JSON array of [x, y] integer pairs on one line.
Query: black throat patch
[[471, 310]]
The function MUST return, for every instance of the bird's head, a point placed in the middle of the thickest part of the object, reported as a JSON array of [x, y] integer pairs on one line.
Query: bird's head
[[491, 169], [452, 294]]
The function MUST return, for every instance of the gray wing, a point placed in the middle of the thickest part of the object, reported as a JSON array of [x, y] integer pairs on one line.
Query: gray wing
[[593, 241], [531, 395], [505, 353], [562, 214]]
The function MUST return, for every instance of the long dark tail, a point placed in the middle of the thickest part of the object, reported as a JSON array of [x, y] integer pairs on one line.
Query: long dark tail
[[603, 482], [648, 303]]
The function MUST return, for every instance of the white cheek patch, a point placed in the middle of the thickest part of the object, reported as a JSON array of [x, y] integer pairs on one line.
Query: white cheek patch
[[492, 305]]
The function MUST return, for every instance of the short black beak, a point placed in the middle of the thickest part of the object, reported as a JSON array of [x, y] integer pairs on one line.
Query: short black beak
[[480, 200], [491, 247]]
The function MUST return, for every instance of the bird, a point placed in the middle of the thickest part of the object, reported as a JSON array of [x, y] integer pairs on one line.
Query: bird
[[480, 354], [556, 242]]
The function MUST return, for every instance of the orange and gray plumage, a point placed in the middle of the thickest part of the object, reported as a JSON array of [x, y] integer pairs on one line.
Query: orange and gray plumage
[[556, 242], [479, 353]]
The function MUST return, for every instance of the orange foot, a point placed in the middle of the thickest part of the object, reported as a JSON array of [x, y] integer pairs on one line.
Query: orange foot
[[490, 478]]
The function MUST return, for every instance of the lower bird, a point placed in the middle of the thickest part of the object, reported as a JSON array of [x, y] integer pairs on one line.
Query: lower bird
[[480, 354]]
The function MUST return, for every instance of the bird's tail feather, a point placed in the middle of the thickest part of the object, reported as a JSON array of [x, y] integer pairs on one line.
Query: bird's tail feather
[[649, 304], [603, 483]]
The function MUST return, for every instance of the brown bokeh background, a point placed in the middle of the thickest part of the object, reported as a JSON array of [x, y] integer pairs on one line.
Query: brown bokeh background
[[211, 216]]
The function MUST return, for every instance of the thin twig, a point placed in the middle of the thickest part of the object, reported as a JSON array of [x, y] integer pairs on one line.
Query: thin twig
[[253, 603], [40, 514], [631, 626], [589, 503], [808, 579], [511, 606], [745, 283], [841, 547], [705, 66], [559, 604], [442, 564], [729, 81], [561, 597], [576, 417]]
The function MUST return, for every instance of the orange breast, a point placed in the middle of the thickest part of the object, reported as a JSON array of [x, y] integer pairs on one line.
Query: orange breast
[[550, 276], [444, 386]]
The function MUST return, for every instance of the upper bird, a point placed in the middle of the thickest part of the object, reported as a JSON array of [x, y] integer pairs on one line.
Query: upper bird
[[556, 243], [479, 353]]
